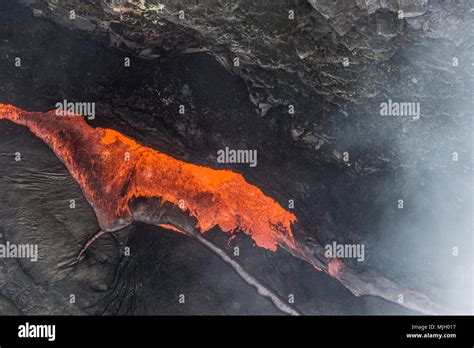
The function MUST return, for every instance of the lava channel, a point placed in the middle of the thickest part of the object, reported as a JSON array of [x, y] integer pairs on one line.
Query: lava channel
[[124, 182]]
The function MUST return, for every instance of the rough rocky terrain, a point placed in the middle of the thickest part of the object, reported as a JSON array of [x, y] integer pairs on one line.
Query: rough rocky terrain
[[189, 58]]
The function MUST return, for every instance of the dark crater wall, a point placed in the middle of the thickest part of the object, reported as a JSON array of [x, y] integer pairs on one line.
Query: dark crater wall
[[299, 156]]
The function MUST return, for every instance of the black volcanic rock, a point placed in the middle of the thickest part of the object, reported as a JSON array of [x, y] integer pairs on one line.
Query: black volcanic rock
[[282, 62], [299, 61]]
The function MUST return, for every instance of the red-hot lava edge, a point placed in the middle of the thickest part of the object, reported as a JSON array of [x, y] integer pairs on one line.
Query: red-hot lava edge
[[124, 182]]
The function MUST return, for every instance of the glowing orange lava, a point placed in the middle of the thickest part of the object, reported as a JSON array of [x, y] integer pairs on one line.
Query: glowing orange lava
[[113, 169], [171, 227], [334, 267]]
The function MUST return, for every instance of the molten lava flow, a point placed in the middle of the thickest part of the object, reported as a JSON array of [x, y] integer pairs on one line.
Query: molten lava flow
[[113, 169], [114, 172]]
